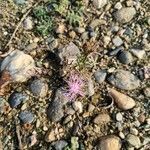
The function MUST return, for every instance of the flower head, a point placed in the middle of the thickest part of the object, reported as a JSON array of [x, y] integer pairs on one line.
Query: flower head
[[75, 85]]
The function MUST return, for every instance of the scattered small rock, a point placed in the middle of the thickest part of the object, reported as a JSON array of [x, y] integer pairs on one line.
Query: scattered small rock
[[60, 145], [138, 53], [91, 108], [100, 76], [39, 88], [125, 57], [99, 3], [107, 142], [134, 131], [20, 2], [124, 80], [77, 105], [147, 92], [123, 101], [90, 90], [50, 136], [69, 53], [125, 14], [133, 140], [117, 41], [26, 117], [102, 119], [119, 117], [28, 23], [16, 99]]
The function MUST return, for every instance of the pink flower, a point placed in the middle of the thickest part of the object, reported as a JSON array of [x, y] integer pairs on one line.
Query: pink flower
[[75, 87]]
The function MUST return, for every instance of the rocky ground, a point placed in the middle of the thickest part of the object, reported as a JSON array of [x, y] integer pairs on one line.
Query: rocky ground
[[75, 75]]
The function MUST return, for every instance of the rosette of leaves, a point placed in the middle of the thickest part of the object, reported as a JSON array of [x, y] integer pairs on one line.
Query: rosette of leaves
[[45, 23], [61, 6], [75, 14]]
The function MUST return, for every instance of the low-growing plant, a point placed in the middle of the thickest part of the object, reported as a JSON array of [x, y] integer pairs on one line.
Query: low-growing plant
[[45, 23]]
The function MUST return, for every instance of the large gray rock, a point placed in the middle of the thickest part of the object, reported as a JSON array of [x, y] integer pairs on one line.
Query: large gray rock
[[55, 110], [124, 80], [18, 64], [125, 15]]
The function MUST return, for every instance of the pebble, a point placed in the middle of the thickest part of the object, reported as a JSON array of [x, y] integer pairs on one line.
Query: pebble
[[31, 47], [16, 99], [109, 141], [125, 14], [26, 117], [121, 135], [85, 36], [39, 88], [60, 29], [141, 118], [124, 80], [125, 57], [50, 136], [117, 41], [115, 51], [90, 90], [140, 54], [99, 3], [100, 75], [77, 105], [102, 119], [55, 110], [80, 30], [133, 140], [59, 145], [123, 101], [119, 117], [69, 53], [53, 44], [91, 108], [28, 23], [118, 5], [18, 64], [134, 131], [20, 2]]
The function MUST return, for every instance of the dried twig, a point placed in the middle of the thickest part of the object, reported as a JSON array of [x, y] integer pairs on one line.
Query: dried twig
[[17, 27], [19, 137]]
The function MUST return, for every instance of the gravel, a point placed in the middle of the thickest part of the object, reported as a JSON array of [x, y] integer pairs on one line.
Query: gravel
[[99, 3]]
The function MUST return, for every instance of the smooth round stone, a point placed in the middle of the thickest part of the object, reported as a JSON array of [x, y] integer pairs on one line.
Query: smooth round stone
[[26, 117], [134, 131], [119, 117], [39, 88], [16, 99], [125, 57]]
